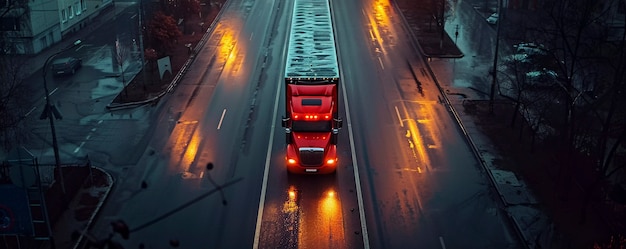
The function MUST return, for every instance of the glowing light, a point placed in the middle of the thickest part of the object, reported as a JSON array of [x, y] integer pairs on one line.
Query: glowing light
[[291, 161], [331, 161], [330, 216], [290, 205], [312, 117]]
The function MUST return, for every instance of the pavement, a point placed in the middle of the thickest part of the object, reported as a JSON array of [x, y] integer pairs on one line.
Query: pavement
[[532, 225]]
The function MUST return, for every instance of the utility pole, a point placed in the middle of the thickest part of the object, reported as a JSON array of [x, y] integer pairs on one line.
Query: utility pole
[[143, 56], [494, 73]]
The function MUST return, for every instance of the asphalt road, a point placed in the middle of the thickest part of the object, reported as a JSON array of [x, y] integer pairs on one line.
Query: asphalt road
[[407, 178]]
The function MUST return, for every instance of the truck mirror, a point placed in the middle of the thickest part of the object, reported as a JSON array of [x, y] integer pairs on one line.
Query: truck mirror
[[288, 135], [338, 122], [284, 121], [333, 137]]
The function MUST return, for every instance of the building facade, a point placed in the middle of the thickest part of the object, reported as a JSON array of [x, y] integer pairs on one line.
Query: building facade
[[30, 26]]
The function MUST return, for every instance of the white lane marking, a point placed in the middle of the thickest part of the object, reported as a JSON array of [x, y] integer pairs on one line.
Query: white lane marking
[[357, 181], [443, 245], [399, 118], [29, 112], [80, 146], [87, 137], [221, 119], [53, 91], [79, 47], [381, 63], [259, 216], [251, 35]]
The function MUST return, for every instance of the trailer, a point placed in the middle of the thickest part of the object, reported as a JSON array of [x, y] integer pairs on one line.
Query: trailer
[[312, 80]]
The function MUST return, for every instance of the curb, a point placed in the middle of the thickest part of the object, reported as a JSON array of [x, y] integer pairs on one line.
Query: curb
[[111, 182]]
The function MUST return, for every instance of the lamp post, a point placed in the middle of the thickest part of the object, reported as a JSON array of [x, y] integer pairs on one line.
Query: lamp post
[[50, 111]]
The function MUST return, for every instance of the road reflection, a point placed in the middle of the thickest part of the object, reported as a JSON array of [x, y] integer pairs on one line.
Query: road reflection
[[231, 47], [312, 213], [379, 22]]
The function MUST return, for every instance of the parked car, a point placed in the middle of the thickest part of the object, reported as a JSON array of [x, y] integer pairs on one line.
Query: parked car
[[542, 78], [493, 18], [67, 65], [530, 48]]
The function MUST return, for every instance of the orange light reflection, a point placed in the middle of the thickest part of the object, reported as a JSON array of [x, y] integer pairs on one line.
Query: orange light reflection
[[191, 152], [290, 205], [183, 146], [380, 21], [417, 137], [331, 218]]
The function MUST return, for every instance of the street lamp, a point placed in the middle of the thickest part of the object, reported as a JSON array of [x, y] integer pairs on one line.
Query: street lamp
[[50, 111]]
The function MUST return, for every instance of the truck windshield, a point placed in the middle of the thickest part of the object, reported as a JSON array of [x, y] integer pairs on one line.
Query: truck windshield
[[314, 126]]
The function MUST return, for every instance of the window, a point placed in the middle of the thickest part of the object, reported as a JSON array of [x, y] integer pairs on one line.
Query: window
[[83, 5], [70, 11], [63, 15], [313, 126], [77, 8]]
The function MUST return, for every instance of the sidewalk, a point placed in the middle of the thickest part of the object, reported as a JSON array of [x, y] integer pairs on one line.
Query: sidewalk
[[503, 160]]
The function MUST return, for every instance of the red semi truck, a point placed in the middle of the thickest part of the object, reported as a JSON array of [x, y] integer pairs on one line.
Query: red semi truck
[[311, 118]]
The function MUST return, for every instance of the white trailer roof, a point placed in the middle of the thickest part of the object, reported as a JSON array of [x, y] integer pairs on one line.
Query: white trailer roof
[[311, 42]]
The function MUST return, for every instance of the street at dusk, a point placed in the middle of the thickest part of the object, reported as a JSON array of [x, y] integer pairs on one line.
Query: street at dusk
[[312, 124]]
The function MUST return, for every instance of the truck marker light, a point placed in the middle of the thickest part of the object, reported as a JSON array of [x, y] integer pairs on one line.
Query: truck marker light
[[330, 161], [291, 161]]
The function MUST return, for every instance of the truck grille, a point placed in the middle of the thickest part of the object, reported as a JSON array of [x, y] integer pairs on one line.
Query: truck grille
[[311, 157]]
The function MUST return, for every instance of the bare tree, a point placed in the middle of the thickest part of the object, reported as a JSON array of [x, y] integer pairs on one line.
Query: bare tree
[[591, 78], [121, 55], [13, 97]]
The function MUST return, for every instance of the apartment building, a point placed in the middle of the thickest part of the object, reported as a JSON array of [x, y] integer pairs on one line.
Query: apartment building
[[30, 26]]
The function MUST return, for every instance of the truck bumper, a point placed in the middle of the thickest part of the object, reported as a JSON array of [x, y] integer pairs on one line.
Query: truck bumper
[[325, 169]]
